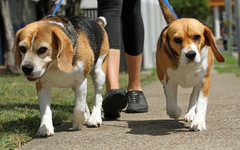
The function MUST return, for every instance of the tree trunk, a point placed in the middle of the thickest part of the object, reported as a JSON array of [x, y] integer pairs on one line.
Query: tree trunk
[[9, 35]]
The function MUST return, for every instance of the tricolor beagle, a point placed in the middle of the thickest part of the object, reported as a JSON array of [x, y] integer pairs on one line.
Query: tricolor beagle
[[61, 52], [184, 57]]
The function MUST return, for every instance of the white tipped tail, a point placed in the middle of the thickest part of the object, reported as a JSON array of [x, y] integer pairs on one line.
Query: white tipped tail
[[102, 21]]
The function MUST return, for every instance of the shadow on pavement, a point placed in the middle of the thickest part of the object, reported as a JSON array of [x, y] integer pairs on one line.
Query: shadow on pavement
[[156, 127]]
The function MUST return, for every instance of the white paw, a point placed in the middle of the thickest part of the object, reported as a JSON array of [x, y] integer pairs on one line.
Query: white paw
[[86, 116], [78, 120], [189, 116], [45, 130], [95, 119], [174, 113], [198, 124]]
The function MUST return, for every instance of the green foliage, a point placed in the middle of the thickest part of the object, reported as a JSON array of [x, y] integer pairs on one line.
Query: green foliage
[[198, 9], [19, 109]]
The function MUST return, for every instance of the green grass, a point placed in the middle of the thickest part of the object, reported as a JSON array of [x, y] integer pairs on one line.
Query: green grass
[[19, 109], [230, 66]]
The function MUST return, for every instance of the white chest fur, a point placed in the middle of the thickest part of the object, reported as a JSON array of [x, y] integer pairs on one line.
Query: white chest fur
[[61, 79], [190, 75]]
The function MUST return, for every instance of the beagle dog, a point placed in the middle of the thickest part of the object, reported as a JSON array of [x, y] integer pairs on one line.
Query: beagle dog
[[184, 57], [61, 52]]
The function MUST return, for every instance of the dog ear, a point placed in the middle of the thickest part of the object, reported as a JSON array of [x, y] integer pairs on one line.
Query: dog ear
[[166, 46], [209, 39], [65, 51], [17, 54]]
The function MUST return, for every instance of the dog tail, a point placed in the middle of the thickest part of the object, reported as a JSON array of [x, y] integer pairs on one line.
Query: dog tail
[[101, 21], [167, 13]]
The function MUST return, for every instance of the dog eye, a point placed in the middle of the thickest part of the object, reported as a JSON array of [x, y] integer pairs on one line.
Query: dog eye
[[196, 37], [41, 50], [22, 49], [178, 40]]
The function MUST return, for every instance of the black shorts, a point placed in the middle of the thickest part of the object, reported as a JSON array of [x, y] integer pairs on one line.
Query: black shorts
[[129, 12]]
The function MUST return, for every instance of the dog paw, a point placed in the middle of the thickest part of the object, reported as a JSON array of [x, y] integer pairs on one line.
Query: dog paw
[[174, 113], [95, 120], [78, 120], [86, 116], [198, 125], [189, 116], [46, 130]]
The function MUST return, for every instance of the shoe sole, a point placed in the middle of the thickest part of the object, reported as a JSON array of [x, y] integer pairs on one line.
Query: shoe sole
[[114, 103]]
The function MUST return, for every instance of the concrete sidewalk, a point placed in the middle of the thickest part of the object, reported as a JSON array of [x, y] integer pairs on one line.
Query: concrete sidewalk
[[155, 130]]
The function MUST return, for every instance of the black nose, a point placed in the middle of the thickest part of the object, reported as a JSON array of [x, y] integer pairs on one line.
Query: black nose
[[190, 55], [27, 69]]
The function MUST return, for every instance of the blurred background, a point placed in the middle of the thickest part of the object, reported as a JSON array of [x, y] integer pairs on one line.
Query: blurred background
[[221, 16]]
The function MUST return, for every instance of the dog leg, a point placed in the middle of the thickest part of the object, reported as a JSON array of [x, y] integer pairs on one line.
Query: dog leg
[[86, 114], [98, 77], [192, 105], [198, 122], [79, 113], [171, 100], [44, 98]]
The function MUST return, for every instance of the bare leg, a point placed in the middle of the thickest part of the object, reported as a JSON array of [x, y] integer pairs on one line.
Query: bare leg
[[113, 69], [134, 68]]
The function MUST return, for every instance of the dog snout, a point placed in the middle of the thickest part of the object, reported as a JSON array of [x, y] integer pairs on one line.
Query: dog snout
[[191, 55], [27, 69]]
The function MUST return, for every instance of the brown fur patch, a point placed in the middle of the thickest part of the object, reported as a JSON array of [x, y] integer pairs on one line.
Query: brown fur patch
[[38, 86], [206, 84], [163, 62], [65, 51], [85, 53], [105, 50], [17, 54], [210, 42], [105, 45]]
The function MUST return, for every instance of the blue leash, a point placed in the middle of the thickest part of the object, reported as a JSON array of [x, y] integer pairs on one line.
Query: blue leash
[[166, 2], [59, 3]]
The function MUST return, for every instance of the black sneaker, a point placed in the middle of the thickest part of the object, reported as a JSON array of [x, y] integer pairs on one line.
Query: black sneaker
[[113, 103], [136, 102]]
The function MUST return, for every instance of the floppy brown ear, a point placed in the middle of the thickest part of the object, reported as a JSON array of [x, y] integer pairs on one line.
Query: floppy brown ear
[[211, 42], [16, 51], [65, 51], [166, 46]]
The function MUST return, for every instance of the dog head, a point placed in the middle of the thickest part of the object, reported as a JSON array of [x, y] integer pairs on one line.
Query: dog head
[[39, 44], [184, 39]]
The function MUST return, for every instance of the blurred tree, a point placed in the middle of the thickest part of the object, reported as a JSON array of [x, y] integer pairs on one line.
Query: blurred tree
[[198, 9], [73, 8], [44, 8], [9, 36]]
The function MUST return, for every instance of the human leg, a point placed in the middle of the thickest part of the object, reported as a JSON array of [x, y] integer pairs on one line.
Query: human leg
[[133, 36], [134, 69], [113, 69]]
